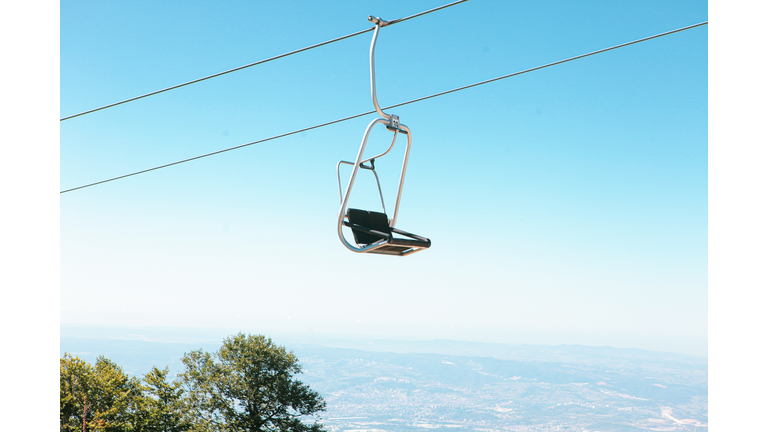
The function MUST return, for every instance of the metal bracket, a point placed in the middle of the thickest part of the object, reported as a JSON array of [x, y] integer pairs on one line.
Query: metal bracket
[[372, 167], [394, 122]]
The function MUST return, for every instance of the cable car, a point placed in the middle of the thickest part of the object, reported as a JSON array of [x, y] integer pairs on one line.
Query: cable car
[[373, 231]]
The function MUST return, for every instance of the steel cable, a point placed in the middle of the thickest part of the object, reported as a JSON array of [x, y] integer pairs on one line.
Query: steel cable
[[396, 105], [396, 21]]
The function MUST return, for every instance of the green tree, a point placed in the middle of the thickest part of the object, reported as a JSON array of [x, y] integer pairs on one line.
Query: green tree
[[116, 397], [248, 385], [75, 390], [161, 408], [98, 397]]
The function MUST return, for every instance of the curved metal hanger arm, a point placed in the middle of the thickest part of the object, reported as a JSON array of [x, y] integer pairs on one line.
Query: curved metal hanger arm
[[394, 121]]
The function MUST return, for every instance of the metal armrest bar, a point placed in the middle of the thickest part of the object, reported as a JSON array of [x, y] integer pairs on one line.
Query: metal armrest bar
[[414, 236], [409, 243]]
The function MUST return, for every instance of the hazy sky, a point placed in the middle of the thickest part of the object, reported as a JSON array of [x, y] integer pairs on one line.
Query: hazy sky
[[567, 205]]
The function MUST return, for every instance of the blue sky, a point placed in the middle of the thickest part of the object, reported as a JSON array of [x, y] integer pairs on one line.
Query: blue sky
[[568, 205]]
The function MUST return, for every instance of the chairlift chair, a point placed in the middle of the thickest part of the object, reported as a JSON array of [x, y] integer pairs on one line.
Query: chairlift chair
[[373, 231]]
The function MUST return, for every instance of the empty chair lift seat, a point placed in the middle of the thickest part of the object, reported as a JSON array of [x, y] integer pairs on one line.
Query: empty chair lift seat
[[371, 227]]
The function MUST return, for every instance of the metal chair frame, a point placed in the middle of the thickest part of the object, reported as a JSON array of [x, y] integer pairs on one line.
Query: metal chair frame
[[392, 123]]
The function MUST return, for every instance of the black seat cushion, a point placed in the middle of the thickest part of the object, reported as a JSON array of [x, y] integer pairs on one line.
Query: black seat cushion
[[369, 219]]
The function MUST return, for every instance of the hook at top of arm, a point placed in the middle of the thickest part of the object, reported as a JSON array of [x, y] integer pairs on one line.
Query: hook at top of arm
[[393, 119]]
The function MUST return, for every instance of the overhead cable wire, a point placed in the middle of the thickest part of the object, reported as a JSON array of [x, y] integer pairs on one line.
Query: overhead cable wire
[[393, 106], [396, 21]]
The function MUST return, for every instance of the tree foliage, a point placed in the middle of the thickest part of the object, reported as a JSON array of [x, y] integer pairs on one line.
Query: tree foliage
[[96, 397], [162, 407], [249, 385], [75, 388]]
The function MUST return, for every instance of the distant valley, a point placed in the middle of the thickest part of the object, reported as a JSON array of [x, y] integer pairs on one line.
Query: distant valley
[[376, 386]]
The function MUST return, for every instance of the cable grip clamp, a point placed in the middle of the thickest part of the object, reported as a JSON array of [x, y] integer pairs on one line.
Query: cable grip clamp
[[378, 21], [394, 122]]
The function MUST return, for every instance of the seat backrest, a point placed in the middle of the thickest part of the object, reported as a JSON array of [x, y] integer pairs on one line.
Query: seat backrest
[[371, 220]]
